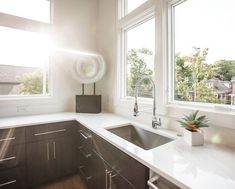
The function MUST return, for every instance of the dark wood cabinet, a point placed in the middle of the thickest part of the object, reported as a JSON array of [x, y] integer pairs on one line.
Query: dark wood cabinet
[[104, 166], [49, 152], [45, 152], [62, 155], [135, 172], [38, 163], [13, 178], [12, 158], [107, 178]]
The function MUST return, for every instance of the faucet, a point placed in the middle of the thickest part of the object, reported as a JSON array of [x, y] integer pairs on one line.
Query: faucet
[[155, 122]]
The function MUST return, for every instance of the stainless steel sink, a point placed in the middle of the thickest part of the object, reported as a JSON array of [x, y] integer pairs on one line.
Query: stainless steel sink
[[140, 137]]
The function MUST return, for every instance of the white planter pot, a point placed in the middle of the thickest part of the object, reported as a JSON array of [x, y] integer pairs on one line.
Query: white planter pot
[[193, 138]]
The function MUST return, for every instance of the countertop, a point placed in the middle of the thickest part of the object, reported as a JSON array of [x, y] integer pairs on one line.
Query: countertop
[[209, 166]]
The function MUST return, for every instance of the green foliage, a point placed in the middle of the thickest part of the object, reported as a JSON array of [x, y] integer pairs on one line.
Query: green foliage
[[192, 73], [224, 69], [138, 68], [31, 83], [192, 122]]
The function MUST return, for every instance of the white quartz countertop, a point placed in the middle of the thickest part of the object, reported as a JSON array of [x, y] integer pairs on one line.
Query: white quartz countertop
[[203, 167]]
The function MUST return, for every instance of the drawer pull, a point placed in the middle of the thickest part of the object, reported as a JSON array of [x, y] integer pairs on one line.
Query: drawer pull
[[152, 180], [80, 148], [7, 159], [83, 174], [54, 150], [7, 183], [85, 136], [5, 139], [48, 152], [50, 132]]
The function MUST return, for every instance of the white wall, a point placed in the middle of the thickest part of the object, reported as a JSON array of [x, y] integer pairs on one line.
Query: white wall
[[106, 41], [75, 27]]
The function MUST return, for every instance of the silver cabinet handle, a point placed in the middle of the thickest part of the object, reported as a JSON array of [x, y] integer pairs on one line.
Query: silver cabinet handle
[[7, 159], [50, 132], [84, 175], [54, 150], [154, 179], [48, 152], [7, 183], [106, 179], [110, 180], [5, 139], [80, 148], [85, 136]]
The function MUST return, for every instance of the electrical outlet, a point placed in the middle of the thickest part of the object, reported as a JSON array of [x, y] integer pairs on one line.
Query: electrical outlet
[[22, 109]]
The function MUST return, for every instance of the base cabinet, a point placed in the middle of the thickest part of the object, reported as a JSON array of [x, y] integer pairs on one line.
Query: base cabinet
[[106, 177], [103, 166], [48, 160], [39, 168], [13, 178]]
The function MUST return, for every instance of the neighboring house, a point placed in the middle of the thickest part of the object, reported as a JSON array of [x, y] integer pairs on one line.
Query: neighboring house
[[9, 83], [225, 90]]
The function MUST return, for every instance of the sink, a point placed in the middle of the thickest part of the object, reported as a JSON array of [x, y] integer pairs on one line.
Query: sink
[[140, 137]]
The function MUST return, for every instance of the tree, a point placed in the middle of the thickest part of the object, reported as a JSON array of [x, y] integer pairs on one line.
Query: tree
[[138, 68], [224, 69], [192, 73], [31, 83]]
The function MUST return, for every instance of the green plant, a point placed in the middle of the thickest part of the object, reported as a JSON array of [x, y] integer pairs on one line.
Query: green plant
[[193, 122]]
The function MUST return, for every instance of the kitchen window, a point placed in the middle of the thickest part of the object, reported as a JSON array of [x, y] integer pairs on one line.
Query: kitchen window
[[38, 10], [130, 5], [202, 52], [25, 47], [137, 50]]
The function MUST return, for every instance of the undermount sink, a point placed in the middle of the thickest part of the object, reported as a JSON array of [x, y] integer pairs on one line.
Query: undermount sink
[[140, 137]]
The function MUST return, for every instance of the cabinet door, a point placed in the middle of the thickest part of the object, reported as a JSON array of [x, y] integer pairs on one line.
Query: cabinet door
[[61, 153], [104, 177], [116, 181], [135, 172], [39, 163], [99, 176]]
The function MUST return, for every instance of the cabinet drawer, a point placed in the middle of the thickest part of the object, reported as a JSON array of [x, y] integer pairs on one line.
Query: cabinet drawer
[[48, 131], [12, 136], [84, 140], [12, 156], [12, 179]]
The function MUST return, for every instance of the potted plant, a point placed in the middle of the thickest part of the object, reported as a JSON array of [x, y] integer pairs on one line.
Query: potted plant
[[192, 123]]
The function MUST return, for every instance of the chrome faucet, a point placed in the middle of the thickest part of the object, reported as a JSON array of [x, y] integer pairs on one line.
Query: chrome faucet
[[155, 122]]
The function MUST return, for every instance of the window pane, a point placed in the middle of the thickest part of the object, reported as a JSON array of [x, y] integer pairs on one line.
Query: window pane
[[133, 4], [32, 9], [204, 51], [23, 62], [140, 43]]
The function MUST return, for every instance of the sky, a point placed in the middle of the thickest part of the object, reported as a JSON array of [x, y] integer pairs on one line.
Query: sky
[[206, 24], [19, 47], [198, 23]]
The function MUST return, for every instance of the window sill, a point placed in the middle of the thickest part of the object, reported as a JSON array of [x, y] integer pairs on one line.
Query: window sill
[[36, 97], [207, 108]]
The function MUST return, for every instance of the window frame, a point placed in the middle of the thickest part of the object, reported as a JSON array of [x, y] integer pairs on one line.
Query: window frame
[[171, 102], [25, 24], [142, 14]]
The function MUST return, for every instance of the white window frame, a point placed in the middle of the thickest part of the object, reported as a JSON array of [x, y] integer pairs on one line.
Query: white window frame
[[16, 22], [207, 107], [140, 15]]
